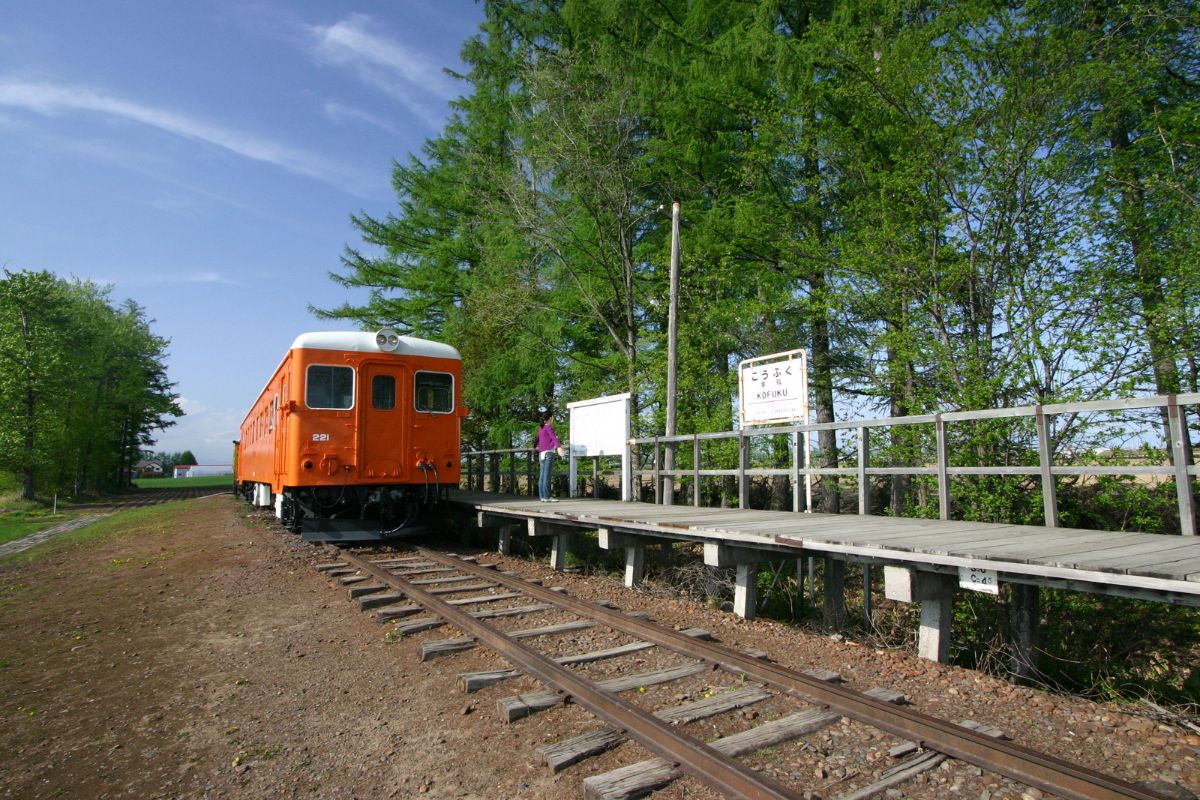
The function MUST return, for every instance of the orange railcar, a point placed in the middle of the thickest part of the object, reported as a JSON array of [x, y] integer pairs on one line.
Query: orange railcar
[[355, 434]]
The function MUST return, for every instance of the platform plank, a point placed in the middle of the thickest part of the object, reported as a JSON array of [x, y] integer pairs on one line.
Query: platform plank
[[1135, 555], [1082, 559], [1054, 542], [1176, 570]]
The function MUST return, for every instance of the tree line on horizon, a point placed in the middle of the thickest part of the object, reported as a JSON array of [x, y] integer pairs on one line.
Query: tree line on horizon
[[951, 205], [83, 384]]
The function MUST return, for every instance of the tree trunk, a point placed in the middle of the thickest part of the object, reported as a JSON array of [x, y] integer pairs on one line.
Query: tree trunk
[[822, 387], [1148, 285]]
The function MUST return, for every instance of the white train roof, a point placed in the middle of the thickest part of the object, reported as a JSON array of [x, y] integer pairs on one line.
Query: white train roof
[[360, 341]]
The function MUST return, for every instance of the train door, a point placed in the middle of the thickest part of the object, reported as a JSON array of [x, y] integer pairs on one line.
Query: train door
[[382, 432], [279, 417]]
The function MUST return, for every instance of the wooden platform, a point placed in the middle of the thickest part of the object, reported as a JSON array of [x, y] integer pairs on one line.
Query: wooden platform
[[1148, 566]]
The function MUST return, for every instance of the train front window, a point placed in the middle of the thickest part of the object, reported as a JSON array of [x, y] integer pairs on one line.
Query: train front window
[[383, 392], [329, 387], [434, 392]]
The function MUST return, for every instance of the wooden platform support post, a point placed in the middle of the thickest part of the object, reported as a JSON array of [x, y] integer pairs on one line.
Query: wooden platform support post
[[635, 553], [746, 560], [868, 623], [798, 600], [635, 564], [745, 591], [504, 543], [560, 543], [1024, 623], [935, 592], [812, 582], [559, 546], [835, 593]]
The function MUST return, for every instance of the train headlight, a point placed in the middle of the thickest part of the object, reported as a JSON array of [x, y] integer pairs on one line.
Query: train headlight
[[387, 340]]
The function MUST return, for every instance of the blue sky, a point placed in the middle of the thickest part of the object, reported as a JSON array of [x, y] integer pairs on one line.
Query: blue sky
[[203, 159]]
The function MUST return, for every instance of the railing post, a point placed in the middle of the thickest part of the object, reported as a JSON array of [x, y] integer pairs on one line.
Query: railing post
[[468, 463], [695, 470], [481, 458], [627, 470], [808, 501], [657, 472], [943, 478], [494, 471], [864, 486], [596, 477], [512, 472], [1045, 464], [668, 480], [795, 472], [1179, 458], [743, 464], [530, 458]]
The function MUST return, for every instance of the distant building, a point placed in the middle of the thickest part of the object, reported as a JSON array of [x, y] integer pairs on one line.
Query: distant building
[[148, 469], [197, 470]]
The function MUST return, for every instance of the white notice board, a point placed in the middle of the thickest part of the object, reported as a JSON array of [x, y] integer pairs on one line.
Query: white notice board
[[600, 427]]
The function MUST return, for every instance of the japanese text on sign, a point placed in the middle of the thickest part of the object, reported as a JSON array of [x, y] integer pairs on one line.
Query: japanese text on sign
[[774, 391]]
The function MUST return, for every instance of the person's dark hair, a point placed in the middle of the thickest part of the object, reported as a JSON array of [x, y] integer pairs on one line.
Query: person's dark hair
[[547, 417]]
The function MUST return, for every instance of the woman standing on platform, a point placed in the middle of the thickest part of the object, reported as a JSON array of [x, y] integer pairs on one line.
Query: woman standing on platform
[[547, 446]]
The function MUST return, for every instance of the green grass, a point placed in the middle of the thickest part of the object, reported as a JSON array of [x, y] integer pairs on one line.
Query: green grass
[[16, 524], [20, 517], [158, 520], [224, 481]]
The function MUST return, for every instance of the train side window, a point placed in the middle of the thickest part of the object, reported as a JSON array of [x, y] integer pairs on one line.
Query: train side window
[[434, 392], [383, 392], [274, 414], [329, 387]]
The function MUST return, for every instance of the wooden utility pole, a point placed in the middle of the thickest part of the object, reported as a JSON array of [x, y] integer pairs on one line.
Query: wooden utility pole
[[668, 488]]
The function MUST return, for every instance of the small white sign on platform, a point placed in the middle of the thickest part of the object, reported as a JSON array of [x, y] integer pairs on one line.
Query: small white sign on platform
[[979, 580], [600, 427]]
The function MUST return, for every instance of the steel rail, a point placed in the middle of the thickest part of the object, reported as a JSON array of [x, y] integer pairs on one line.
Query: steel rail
[[1039, 770], [725, 774]]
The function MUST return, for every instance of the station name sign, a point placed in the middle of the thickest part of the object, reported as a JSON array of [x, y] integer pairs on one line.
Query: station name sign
[[773, 389]]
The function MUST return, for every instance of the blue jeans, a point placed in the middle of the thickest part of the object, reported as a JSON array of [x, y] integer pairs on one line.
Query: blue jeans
[[547, 458]]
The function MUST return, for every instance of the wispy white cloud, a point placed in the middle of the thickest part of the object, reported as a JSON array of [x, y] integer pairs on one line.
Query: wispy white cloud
[[351, 41], [343, 114], [51, 99], [168, 279], [204, 276], [154, 167], [207, 432], [400, 71]]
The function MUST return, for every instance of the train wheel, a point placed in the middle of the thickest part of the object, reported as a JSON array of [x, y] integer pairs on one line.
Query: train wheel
[[292, 512]]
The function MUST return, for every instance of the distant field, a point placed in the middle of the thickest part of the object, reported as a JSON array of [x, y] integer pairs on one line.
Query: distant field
[[223, 481]]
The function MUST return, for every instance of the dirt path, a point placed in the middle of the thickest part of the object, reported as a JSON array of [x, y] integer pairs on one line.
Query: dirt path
[[194, 652]]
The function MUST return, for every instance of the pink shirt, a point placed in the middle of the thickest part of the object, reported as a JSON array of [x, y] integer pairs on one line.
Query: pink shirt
[[546, 440]]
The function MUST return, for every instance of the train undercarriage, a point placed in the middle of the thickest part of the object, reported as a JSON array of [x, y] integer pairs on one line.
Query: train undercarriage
[[351, 513]]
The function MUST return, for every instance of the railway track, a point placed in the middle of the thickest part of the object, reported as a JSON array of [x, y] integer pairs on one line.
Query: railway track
[[149, 497], [426, 590]]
